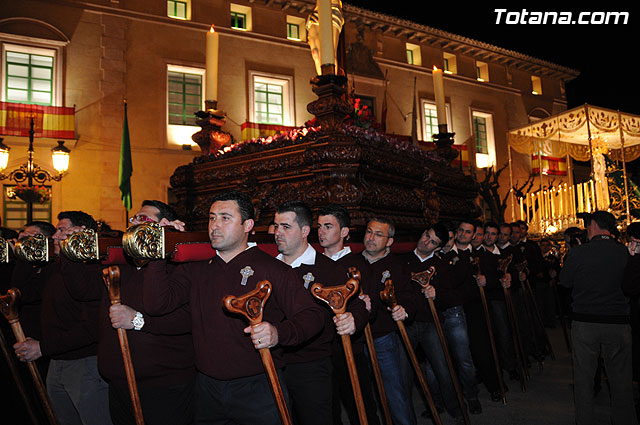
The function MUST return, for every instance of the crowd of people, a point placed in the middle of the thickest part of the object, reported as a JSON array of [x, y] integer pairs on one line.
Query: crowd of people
[[478, 324]]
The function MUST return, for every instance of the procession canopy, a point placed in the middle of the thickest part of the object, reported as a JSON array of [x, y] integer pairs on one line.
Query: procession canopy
[[568, 133]]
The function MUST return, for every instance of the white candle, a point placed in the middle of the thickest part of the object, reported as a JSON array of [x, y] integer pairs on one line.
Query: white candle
[[211, 92], [438, 89], [325, 27]]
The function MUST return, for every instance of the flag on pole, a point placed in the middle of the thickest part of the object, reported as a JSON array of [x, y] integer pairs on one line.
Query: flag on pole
[[383, 115], [125, 168], [414, 118]]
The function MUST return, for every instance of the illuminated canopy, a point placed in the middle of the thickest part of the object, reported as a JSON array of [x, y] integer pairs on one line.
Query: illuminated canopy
[[568, 134]]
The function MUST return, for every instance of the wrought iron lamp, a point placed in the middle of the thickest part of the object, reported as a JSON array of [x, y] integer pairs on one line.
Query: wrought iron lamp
[[30, 172]]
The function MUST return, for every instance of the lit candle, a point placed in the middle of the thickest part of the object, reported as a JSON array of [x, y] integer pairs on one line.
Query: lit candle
[[325, 28], [211, 92], [578, 190], [562, 192], [438, 89], [521, 204], [552, 199]]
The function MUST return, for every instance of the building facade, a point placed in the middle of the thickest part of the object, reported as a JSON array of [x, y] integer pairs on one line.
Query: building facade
[[94, 55]]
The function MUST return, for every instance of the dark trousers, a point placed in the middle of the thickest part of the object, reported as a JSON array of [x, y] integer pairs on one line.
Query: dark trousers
[[309, 385], [160, 405], [242, 401], [342, 390], [480, 345]]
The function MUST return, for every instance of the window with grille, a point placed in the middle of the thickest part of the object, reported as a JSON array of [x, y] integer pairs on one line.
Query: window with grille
[[238, 20], [480, 128], [177, 9], [184, 97], [28, 78], [14, 211], [268, 103]]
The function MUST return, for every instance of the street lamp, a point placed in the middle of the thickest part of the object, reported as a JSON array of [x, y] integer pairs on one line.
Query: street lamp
[[30, 172]]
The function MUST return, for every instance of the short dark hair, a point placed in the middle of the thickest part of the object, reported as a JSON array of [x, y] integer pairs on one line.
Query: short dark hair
[[522, 223], [339, 212], [304, 216], [241, 199], [604, 219], [45, 228], [165, 211], [384, 220], [505, 225], [79, 218], [442, 233], [514, 224], [633, 230], [491, 224]]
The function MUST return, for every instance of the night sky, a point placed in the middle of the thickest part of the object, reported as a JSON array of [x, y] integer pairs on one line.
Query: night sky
[[606, 56]]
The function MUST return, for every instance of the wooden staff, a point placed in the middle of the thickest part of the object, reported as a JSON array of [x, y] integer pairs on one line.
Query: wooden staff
[[375, 365], [424, 279], [111, 277], [538, 316], [10, 312], [487, 319], [336, 297], [503, 265], [388, 297], [16, 377], [251, 306]]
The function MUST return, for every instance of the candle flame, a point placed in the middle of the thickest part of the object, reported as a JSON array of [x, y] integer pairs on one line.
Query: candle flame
[[211, 29], [435, 68]]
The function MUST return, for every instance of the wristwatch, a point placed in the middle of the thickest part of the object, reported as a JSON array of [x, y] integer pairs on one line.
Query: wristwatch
[[137, 321]]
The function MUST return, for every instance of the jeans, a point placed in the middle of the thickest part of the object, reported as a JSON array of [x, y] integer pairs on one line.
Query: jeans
[[78, 394], [395, 370], [455, 330], [613, 341], [439, 379]]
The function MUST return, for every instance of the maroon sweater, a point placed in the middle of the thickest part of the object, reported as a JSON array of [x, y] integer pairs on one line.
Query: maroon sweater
[[161, 352], [397, 271], [69, 327], [328, 273], [222, 349], [440, 281], [30, 279]]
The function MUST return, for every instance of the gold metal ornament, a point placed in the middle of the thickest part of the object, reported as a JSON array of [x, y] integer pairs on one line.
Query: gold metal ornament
[[81, 246], [144, 241], [32, 249], [4, 251]]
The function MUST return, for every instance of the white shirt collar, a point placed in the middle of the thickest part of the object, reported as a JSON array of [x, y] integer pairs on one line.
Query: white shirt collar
[[495, 249], [505, 245], [422, 260], [249, 245], [455, 248], [368, 258], [338, 255], [308, 257]]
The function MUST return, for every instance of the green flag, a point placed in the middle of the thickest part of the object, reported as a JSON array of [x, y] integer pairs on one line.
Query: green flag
[[125, 169]]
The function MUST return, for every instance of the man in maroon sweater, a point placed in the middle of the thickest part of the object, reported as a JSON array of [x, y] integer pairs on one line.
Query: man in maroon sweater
[[69, 337], [231, 386], [165, 384], [309, 366], [333, 230], [394, 364]]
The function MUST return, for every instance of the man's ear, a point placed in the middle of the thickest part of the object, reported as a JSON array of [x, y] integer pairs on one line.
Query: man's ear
[[248, 225], [305, 231], [344, 232]]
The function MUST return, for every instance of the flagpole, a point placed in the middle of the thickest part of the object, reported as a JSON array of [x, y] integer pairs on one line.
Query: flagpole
[[125, 168]]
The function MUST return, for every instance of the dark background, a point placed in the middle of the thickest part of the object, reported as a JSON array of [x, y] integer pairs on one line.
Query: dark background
[[607, 56]]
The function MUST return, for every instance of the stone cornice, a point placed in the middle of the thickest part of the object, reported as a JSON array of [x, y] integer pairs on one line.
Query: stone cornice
[[422, 34]]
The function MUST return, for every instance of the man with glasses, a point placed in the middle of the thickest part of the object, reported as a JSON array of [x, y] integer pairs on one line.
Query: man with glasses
[[394, 364]]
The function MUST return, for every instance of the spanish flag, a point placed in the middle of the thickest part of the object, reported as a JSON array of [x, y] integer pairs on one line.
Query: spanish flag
[[55, 122], [550, 165]]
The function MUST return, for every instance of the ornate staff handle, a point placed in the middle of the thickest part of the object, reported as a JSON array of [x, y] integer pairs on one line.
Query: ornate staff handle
[[8, 306], [388, 297], [336, 297], [111, 278], [424, 279], [375, 365], [251, 306]]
